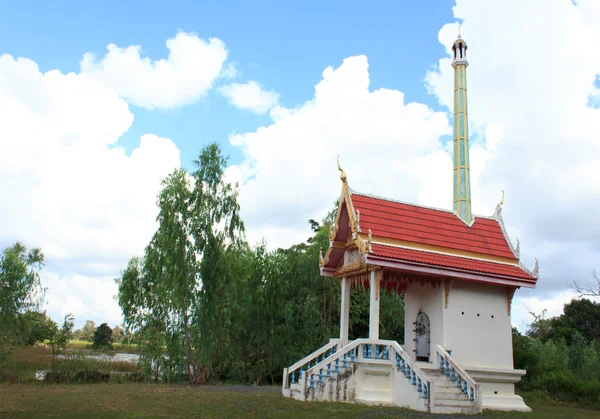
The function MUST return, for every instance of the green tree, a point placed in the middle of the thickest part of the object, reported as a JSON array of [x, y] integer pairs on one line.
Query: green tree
[[182, 269], [20, 287], [33, 327], [118, 334], [59, 337], [103, 337], [87, 331]]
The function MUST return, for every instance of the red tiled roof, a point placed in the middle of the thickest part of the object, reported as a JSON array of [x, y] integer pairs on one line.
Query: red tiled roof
[[412, 223], [449, 261]]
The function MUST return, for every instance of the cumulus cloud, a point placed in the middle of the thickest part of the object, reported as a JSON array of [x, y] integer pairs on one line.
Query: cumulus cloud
[[189, 72], [534, 130], [69, 188], [250, 96], [290, 174], [529, 86]]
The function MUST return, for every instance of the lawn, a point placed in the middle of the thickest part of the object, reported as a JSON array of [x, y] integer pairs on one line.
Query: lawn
[[164, 401]]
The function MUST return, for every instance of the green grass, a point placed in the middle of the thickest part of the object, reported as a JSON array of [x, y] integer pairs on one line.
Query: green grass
[[163, 401]]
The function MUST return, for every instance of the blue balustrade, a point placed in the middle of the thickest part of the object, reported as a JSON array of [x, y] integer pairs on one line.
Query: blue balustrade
[[344, 361], [458, 384], [293, 378], [403, 369], [419, 389], [465, 388], [337, 365], [472, 395], [442, 363], [328, 370], [352, 357], [447, 368], [321, 376], [414, 378], [300, 374], [386, 354], [452, 377], [408, 372], [312, 381], [425, 391], [397, 360]]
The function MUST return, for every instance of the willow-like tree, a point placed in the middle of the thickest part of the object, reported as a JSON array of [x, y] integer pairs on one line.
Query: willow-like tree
[[20, 287], [198, 216]]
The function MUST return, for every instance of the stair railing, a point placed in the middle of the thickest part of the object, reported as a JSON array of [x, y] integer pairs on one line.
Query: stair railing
[[344, 358], [410, 370], [367, 350], [294, 373], [458, 375]]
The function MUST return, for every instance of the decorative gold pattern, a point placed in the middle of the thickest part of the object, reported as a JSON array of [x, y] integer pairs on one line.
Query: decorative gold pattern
[[510, 292], [448, 286], [378, 278], [342, 173]]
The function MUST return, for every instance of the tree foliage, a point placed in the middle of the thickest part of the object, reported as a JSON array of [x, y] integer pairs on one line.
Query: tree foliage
[[59, 337], [20, 287], [103, 337], [221, 308]]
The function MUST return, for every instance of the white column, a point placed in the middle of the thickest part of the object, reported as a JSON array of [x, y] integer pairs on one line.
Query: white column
[[374, 307], [344, 312]]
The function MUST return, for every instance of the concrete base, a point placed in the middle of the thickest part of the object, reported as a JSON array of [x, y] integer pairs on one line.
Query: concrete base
[[507, 403], [498, 388]]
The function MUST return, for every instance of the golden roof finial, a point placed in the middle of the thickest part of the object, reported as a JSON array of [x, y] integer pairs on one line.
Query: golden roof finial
[[342, 173], [502, 200]]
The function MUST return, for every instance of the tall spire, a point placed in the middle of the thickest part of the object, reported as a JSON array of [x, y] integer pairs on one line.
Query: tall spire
[[462, 178]]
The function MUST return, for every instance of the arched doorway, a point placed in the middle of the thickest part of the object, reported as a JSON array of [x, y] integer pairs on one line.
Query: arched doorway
[[422, 338]]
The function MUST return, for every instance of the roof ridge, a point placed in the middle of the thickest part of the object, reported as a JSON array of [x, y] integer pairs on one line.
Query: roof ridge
[[397, 201]]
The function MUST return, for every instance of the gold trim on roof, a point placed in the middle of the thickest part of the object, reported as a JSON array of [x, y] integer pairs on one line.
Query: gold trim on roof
[[437, 249]]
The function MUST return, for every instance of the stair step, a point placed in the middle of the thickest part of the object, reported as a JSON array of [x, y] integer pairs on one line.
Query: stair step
[[454, 403], [448, 390], [453, 397]]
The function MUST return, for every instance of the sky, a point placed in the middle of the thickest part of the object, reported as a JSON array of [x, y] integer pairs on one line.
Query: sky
[[100, 101]]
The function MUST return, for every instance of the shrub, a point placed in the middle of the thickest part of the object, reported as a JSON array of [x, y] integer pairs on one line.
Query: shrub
[[103, 337]]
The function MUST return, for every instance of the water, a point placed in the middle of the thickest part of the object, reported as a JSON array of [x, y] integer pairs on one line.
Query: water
[[118, 357]]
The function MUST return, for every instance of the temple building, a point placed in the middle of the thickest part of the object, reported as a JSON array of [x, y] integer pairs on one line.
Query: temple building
[[458, 273]]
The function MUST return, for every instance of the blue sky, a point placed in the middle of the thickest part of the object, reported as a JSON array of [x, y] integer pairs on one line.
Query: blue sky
[[283, 45], [70, 191]]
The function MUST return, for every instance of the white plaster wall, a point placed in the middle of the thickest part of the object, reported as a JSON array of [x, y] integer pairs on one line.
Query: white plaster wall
[[471, 333], [430, 300]]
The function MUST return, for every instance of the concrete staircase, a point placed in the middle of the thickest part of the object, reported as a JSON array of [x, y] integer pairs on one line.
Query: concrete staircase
[[381, 373], [447, 396]]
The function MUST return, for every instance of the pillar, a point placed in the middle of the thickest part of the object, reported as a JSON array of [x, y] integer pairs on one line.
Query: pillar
[[374, 306], [344, 312]]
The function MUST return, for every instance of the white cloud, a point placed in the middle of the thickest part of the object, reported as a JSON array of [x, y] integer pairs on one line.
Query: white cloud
[[66, 187], [84, 297], [290, 172], [189, 72], [250, 96], [533, 69]]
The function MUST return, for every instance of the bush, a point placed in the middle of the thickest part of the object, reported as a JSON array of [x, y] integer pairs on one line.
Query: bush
[[103, 337]]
